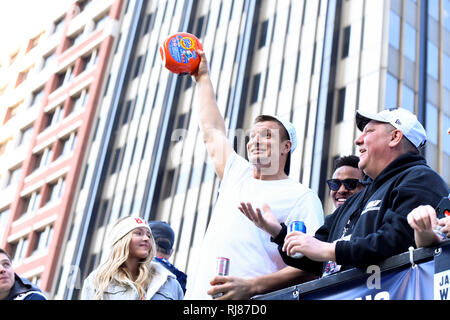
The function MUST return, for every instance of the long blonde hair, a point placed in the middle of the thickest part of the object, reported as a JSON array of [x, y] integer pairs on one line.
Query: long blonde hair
[[113, 269]]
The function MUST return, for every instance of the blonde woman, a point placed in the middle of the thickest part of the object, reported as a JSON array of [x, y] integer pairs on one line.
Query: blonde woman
[[129, 273]]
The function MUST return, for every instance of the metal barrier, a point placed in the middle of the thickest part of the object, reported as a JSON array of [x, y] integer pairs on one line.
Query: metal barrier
[[420, 274]]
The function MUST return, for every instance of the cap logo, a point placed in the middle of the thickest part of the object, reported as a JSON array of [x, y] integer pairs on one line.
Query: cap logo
[[140, 221], [398, 122]]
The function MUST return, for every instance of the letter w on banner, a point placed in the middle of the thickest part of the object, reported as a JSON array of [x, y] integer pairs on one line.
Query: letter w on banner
[[442, 273]]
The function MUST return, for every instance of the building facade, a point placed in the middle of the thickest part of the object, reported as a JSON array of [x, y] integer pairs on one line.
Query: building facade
[[315, 62], [50, 91]]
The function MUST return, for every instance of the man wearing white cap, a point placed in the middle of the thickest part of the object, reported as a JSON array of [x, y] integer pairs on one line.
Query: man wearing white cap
[[261, 180], [372, 225]]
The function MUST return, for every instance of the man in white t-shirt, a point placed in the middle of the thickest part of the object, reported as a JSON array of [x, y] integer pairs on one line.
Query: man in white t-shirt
[[255, 264]]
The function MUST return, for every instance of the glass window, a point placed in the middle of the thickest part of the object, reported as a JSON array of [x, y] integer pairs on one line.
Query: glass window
[[263, 34], [58, 24], [433, 8], [408, 98], [447, 14], [55, 190], [432, 60], [346, 42], [446, 137], [26, 135], [4, 215], [340, 105], [391, 91], [410, 42], [431, 121], [394, 30], [446, 73], [37, 97], [255, 89], [14, 175]]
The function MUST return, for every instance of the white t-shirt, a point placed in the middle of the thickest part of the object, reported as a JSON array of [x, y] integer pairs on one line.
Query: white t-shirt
[[232, 235]]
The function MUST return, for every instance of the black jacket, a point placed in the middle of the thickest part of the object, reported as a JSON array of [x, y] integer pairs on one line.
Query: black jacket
[[24, 290], [376, 216]]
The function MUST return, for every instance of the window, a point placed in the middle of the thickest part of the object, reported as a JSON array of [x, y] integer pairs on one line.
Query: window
[[115, 162], [37, 97], [394, 30], [446, 71], [53, 117], [137, 67], [42, 159], [42, 239], [80, 101], [263, 34], [148, 22], [18, 250], [126, 112], [3, 146], [30, 203], [25, 135], [410, 42], [11, 112], [346, 42], [340, 105], [90, 61], [67, 144], [255, 89], [58, 25], [4, 216], [408, 98], [391, 91], [14, 175], [13, 57], [431, 117], [100, 22], [55, 190], [64, 77], [432, 60], [48, 59], [22, 77], [84, 4], [33, 42], [75, 39]]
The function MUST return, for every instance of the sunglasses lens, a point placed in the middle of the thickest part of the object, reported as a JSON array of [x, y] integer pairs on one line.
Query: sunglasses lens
[[334, 184], [350, 184]]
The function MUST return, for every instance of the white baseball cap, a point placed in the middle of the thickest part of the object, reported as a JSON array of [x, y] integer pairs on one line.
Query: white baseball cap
[[292, 133], [401, 119]]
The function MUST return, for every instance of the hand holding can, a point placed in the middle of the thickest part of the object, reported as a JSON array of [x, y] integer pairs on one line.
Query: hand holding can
[[296, 226], [222, 269]]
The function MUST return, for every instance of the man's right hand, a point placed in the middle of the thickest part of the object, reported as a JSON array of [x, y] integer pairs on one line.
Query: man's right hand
[[267, 222]]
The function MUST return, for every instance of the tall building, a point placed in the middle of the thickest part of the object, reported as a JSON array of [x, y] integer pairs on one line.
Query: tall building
[[315, 62], [50, 89]]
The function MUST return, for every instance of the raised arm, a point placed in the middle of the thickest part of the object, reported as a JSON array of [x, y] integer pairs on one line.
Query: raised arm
[[212, 124]]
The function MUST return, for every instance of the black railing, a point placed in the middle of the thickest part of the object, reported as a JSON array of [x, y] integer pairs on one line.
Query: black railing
[[430, 281]]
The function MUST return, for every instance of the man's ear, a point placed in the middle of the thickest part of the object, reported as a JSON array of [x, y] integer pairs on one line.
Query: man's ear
[[396, 138], [287, 146]]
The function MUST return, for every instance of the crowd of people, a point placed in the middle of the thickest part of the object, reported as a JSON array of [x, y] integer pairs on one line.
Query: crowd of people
[[384, 201]]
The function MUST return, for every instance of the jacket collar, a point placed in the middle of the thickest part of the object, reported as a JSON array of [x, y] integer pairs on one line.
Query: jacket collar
[[21, 285], [400, 164], [161, 276]]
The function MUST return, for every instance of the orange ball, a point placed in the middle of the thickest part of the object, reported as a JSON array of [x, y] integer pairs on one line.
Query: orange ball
[[179, 53]]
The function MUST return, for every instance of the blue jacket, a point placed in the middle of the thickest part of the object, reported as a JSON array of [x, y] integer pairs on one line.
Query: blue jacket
[[24, 290], [374, 219]]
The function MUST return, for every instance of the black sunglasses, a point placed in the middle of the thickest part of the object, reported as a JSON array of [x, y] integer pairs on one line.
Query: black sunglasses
[[349, 184]]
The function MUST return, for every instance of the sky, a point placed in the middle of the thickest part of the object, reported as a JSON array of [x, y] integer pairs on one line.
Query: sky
[[19, 19]]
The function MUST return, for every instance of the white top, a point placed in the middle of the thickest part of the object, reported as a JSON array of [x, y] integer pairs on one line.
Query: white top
[[232, 235]]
